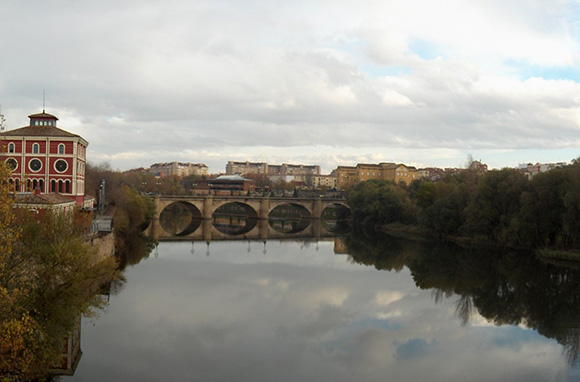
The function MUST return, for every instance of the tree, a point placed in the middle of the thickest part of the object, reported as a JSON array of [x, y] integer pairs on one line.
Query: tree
[[261, 181], [16, 327], [189, 183], [571, 199], [309, 180], [441, 206], [133, 211], [377, 202], [48, 277], [495, 203]]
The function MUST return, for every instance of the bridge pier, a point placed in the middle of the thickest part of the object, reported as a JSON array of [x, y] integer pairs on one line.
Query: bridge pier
[[206, 229], [263, 229], [317, 209], [264, 209], [207, 212], [155, 225], [316, 227]]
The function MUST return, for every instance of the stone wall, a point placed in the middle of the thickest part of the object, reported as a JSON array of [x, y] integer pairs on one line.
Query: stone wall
[[105, 244]]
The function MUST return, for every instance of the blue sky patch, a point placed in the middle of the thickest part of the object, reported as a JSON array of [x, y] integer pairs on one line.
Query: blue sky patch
[[415, 348], [525, 71], [424, 49]]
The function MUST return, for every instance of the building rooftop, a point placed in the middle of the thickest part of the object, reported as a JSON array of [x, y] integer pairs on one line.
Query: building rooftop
[[42, 115], [230, 177], [41, 124], [32, 198], [33, 131]]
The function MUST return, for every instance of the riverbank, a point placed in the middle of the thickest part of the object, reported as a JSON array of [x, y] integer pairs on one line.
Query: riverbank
[[559, 254], [413, 232], [419, 233], [104, 244]]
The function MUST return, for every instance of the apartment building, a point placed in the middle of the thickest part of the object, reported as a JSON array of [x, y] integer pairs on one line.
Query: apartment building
[[347, 176], [324, 181], [297, 170], [178, 169]]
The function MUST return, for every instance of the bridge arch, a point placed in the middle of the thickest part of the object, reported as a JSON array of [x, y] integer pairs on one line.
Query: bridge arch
[[289, 217], [335, 210], [249, 209], [180, 218], [234, 218]]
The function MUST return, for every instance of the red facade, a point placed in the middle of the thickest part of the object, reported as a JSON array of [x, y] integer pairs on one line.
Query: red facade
[[45, 159]]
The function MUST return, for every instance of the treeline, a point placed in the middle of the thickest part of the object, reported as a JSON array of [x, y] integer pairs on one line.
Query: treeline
[[500, 206], [124, 196], [143, 182], [127, 201], [49, 277]]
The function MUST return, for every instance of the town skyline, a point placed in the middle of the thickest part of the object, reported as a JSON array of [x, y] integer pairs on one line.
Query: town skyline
[[211, 170], [415, 82]]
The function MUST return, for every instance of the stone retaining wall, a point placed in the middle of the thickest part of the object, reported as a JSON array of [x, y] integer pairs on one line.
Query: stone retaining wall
[[105, 244]]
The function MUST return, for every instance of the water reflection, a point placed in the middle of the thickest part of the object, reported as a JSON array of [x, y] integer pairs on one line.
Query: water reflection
[[235, 219], [70, 354], [305, 310], [180, 219], [505, 287]]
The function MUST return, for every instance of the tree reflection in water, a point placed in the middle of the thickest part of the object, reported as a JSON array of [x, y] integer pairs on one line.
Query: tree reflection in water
[[505, 287]]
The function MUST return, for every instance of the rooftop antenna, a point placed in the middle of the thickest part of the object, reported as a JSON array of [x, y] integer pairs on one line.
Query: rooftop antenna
[[2, 120], [43, 99]]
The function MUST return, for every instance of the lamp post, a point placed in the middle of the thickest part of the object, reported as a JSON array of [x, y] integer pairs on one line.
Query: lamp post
[[102, 198]]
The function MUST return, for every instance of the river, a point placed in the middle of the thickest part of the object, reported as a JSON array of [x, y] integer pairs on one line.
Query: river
[[354, 309]]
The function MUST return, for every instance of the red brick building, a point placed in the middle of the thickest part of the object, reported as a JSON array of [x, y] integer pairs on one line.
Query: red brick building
[[46, 159]]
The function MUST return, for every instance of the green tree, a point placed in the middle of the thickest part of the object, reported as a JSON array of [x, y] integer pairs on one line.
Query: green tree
[[133, 213], [494, 204], [49, 276], [189, 183], [441, 206], [540, 220], [377, 202], [571, 200]]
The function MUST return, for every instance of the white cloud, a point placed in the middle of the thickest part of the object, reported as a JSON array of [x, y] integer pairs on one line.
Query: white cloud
[[179, 78]]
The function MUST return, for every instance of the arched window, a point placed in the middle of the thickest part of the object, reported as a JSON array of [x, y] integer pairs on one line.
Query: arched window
[[34, 184], [28, 183], [17, 185], [61, 149], [60, 186], [41, 185], [53, 186], [11, 147], [67, 187], [35, 148]]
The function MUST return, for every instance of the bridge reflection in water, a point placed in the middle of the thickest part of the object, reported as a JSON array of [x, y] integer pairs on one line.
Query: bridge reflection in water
[[250, 218]]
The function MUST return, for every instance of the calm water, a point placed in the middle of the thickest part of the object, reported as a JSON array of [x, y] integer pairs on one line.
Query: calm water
[[296, 311]]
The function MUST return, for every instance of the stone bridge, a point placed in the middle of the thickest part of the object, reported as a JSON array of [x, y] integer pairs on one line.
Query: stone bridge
[[259, 208]]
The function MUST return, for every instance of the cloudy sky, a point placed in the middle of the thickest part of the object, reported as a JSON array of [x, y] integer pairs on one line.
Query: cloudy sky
[[323, 82]]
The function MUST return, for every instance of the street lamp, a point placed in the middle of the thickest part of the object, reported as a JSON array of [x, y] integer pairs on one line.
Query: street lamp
[[102, 198]]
